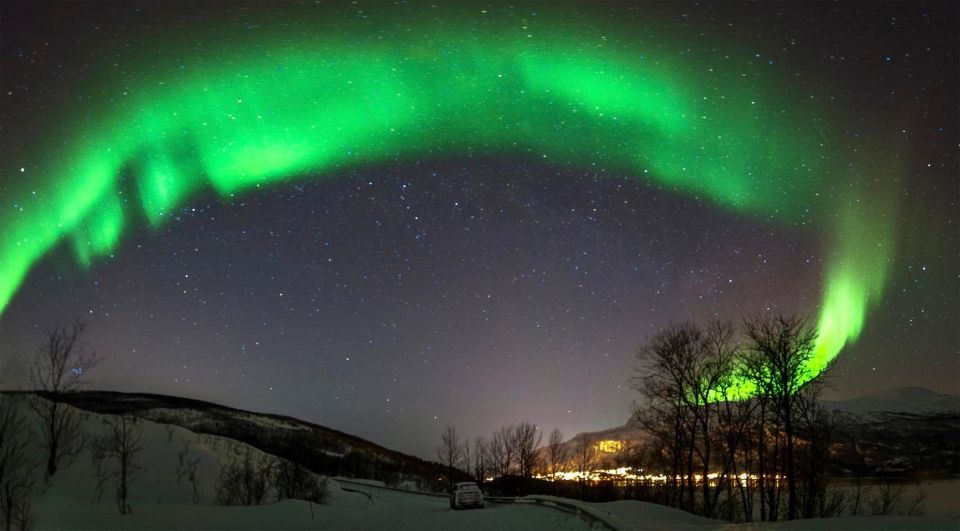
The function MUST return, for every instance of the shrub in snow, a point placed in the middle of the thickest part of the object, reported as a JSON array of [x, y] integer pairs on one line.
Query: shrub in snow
[[293, 480], [116, 454], [187, 468], [16, 482], [246, 482], [56, 371]]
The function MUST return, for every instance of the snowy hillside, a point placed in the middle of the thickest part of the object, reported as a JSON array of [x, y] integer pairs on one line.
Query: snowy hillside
[[909, 431], [160, 498], [76, 500], [319, 448], [912, 400]]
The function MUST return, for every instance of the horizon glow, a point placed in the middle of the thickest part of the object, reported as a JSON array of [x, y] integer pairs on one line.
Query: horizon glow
[[238, 119]]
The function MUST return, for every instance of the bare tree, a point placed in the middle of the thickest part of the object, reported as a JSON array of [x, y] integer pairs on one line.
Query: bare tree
[[889, 498], [187, 468], [16, 484], [707, 368], [556, 454], [779, 352], [450, 452], [662, 376], [495, 452], [58, 368], [734, 435], [480, 464], [584, 459], [762, 421], [526, 441], [815, 426], [501, 451], [859, 465], [246, 482], [103, 472], [294, 481], [120, 446]]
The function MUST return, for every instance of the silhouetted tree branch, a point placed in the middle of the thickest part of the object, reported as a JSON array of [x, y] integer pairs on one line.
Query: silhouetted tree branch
[[450, 452], [58, 368]]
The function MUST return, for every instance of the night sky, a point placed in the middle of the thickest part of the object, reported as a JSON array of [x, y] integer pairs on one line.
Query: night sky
[[388, 298]]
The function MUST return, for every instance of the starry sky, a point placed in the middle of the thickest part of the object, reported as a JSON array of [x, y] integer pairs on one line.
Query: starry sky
[[476, 287]]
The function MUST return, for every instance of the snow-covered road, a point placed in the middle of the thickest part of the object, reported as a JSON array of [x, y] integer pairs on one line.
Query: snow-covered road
[[383, 509], [386, 509]]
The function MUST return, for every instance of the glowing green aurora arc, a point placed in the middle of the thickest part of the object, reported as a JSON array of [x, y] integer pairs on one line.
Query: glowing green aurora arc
[[286, 107]]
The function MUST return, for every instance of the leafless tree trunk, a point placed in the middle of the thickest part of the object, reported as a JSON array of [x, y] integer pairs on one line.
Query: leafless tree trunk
[[708, 378], [501, 451], [631, 457], [526, 442], [556, 456], [103, 472], [662, 376], [506, 433], [734, 434], [860, 468], [816, 428], [889, 499], [450, 452], [761, 455], [122, 444], [187, 468], [480, 465], [584, 458], [780, 349], [58, 368], [16, 485], [496, 451]]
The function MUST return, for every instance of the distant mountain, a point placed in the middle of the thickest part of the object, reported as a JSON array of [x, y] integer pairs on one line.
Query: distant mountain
[[911, 400], [608, 442], [902, 430]]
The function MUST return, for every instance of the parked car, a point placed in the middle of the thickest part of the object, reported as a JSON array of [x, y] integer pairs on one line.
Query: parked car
[[466, 494]]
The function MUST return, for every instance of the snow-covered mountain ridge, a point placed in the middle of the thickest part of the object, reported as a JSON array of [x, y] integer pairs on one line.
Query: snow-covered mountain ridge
[[911, 400]]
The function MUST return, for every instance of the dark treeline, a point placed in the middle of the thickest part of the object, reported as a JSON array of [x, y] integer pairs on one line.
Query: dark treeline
[[722, 454], [734, 427], [707, 448]]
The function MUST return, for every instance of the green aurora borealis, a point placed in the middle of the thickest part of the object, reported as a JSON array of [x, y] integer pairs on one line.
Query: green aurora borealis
[[292, 106]]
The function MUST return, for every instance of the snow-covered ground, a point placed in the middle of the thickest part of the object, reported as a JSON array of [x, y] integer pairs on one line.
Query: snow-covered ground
[[160, 501], [346, 510], [940, 498]]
